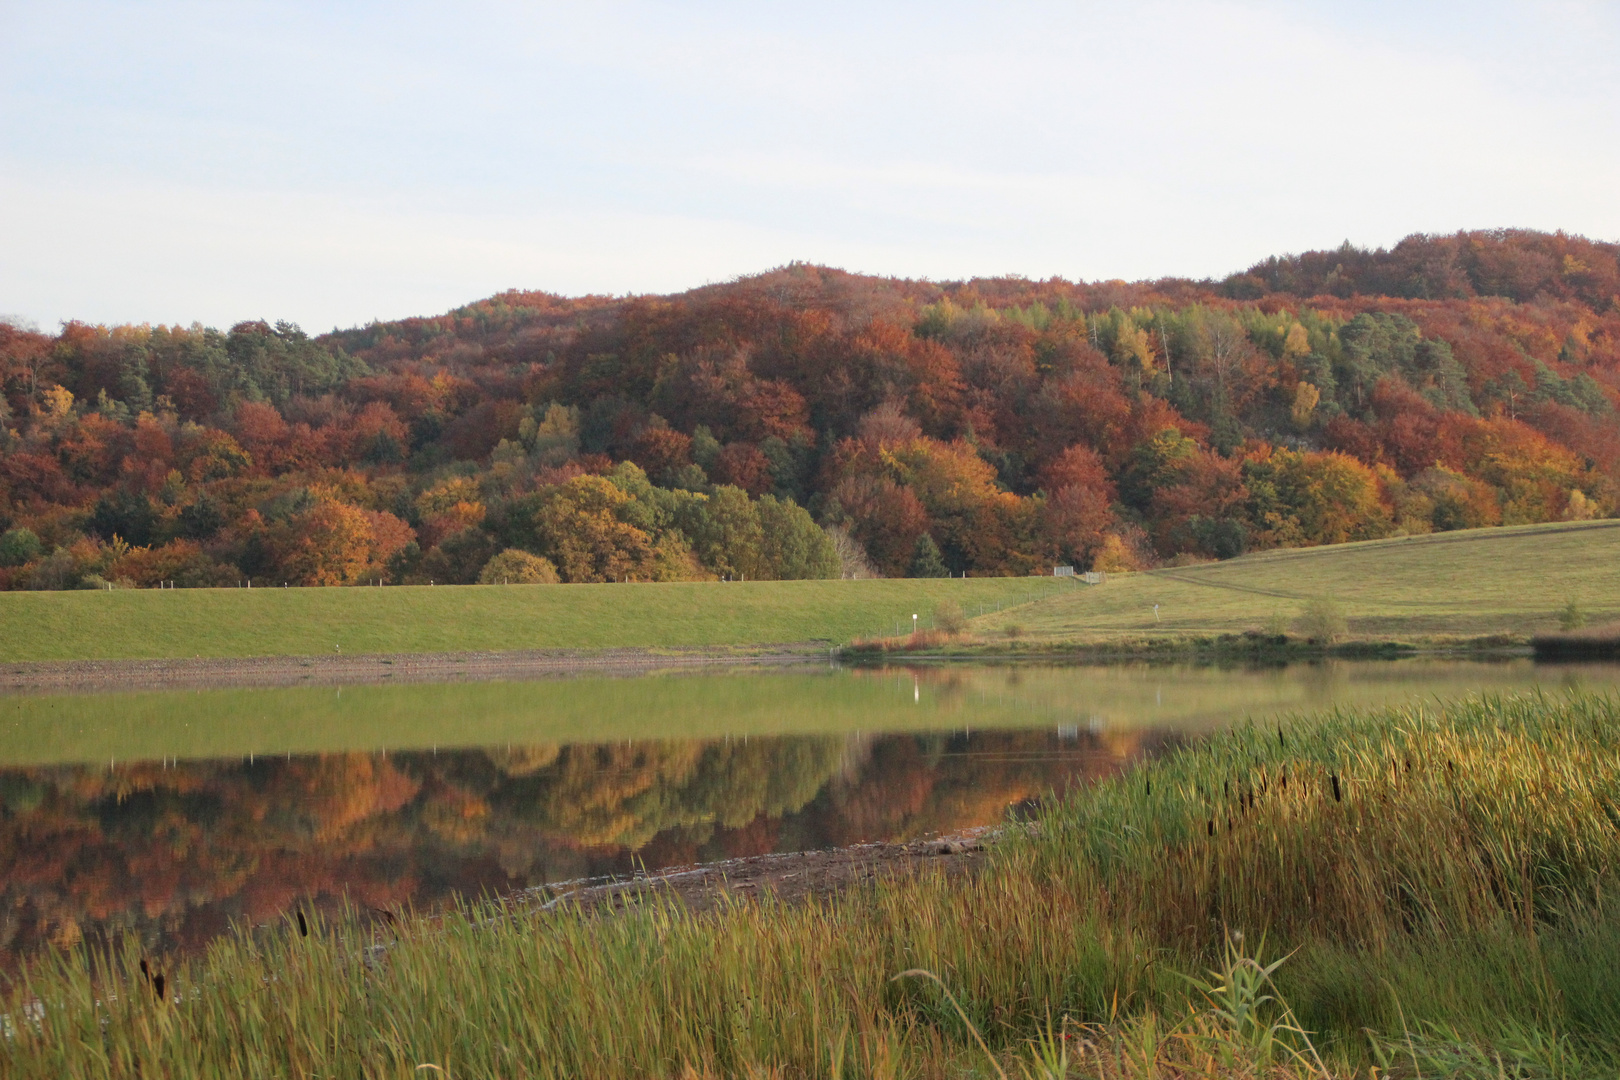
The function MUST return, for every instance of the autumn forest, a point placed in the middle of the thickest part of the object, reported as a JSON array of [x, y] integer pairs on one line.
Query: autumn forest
[[808, 422]]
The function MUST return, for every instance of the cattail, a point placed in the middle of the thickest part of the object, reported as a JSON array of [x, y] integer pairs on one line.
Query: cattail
[[146, 972], [1280, 742], [157, 986], [1336, 796], [1212, 826], [303, 927]]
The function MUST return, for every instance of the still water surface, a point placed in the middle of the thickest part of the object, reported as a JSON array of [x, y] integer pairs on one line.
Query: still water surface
[[173, 813]]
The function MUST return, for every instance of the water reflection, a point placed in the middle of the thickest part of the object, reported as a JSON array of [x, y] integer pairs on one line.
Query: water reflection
[[170, 813], [176, 851]]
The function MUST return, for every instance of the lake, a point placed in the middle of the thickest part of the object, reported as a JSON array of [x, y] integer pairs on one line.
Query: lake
[[171, 814]]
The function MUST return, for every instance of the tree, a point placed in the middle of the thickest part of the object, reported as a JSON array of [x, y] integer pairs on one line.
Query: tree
[[792, 545], [726, 534], [459, 558], [884, 520], [126, 514], [334, 543], [926, 561], [517, 567], [582, 534], [19, 546]]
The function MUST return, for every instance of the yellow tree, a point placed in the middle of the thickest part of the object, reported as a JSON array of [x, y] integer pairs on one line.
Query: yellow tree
[[580, 527]]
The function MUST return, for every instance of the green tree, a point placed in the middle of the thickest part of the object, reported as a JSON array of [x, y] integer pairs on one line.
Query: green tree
[[792, 545], [926, 560], [727, 535], [19, 546]]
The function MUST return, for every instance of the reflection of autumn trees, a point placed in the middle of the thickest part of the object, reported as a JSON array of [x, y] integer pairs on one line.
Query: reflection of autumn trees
[[177, 851]]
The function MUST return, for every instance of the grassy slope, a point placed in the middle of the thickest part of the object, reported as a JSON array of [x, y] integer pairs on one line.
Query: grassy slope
[[1478, 582], [303, 622]]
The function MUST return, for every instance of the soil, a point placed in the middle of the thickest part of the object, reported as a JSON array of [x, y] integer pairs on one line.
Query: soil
[[207, 673], [792, 877]]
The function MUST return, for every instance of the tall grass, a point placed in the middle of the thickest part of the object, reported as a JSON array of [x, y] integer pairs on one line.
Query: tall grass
[[1447, 911]]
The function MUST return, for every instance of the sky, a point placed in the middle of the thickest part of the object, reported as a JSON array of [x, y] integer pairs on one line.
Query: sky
[[337, 162]]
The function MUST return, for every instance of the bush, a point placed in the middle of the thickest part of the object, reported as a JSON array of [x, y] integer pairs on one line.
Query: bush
[[950, 618], [517, 567], [19, 546], [1571, 617], [1322, 622]]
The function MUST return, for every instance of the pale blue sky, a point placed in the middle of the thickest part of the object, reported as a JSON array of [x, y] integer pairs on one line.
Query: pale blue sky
[[336, 162]]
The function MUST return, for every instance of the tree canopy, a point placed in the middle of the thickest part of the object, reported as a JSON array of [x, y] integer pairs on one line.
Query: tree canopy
[[804, 421]]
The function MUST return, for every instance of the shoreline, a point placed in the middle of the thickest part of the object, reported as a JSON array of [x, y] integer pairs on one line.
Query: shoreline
[[69, 676], [95, 676]]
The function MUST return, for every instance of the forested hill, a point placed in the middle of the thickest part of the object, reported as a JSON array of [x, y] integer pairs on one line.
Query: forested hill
[[810, 422]]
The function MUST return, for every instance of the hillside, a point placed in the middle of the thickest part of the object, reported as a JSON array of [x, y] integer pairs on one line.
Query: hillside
[[1481, 582], [808, 422]]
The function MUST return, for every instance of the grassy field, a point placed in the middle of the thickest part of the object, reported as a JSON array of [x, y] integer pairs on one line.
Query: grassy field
[[1510, 581], [132, 624], [50, 729], [1420, 892]]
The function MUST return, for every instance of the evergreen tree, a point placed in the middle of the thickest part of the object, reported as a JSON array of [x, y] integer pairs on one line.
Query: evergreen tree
[[925, 559]]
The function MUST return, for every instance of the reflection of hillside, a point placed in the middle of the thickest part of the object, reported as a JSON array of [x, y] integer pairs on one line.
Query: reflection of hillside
[[174, 852]]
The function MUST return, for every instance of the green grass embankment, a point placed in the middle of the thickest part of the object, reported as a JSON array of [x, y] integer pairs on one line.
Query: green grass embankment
[[1438, 885], [1508, 582], [157, 624]]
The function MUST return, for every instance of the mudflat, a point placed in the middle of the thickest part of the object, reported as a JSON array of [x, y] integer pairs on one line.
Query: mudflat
[[341, 670]]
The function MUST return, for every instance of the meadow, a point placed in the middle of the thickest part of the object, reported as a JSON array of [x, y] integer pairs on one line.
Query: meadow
[[1510, 582], [223, 623], [1419, 891]]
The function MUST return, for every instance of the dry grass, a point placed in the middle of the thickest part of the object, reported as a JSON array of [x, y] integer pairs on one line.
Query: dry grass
[[1436, 883]]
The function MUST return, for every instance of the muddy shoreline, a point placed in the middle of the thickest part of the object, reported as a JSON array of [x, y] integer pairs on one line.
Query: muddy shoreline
[[67, 676]]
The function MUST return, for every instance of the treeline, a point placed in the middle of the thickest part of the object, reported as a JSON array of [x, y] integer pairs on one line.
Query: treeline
[[809, 423]]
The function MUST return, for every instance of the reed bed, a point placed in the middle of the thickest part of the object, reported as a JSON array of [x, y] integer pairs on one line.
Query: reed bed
[[1423, 892]]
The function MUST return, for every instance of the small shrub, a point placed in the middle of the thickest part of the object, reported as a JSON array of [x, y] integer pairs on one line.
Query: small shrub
[[950, 618], [923, 639], [1013, 631], [1571, 617], [516, 567], [1322, 622]]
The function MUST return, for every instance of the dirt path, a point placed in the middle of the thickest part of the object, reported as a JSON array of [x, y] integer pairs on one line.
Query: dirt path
[[203, 673]]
